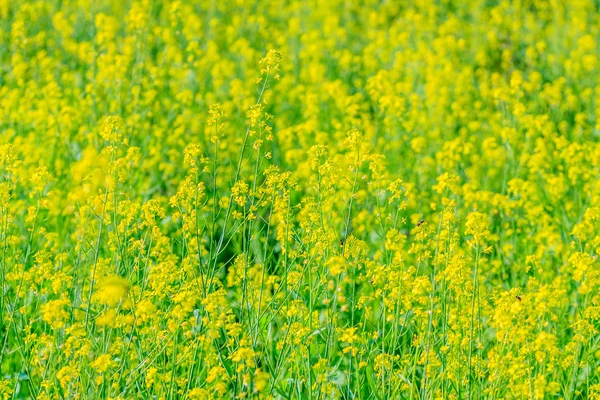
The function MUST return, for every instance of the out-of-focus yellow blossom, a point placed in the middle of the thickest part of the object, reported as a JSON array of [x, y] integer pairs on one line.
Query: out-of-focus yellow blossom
[[55, 312], [112, 291]]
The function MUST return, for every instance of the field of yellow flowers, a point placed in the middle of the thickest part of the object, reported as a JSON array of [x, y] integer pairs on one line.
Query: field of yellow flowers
[[299, 199]]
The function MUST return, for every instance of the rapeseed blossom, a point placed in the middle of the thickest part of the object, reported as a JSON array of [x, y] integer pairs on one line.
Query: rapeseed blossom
[[301, 200]]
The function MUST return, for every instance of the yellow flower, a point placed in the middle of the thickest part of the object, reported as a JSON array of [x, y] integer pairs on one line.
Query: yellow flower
[[477, 225], [112, 291], [55, 313], [336, 265], [103, 363], [111, 130], [66, 375]]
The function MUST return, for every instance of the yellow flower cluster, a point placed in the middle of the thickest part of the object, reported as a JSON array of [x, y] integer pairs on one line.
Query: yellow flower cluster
[[300, 199]]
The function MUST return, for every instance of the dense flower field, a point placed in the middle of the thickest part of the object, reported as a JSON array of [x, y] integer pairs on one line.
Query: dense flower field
[[299, 199]]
